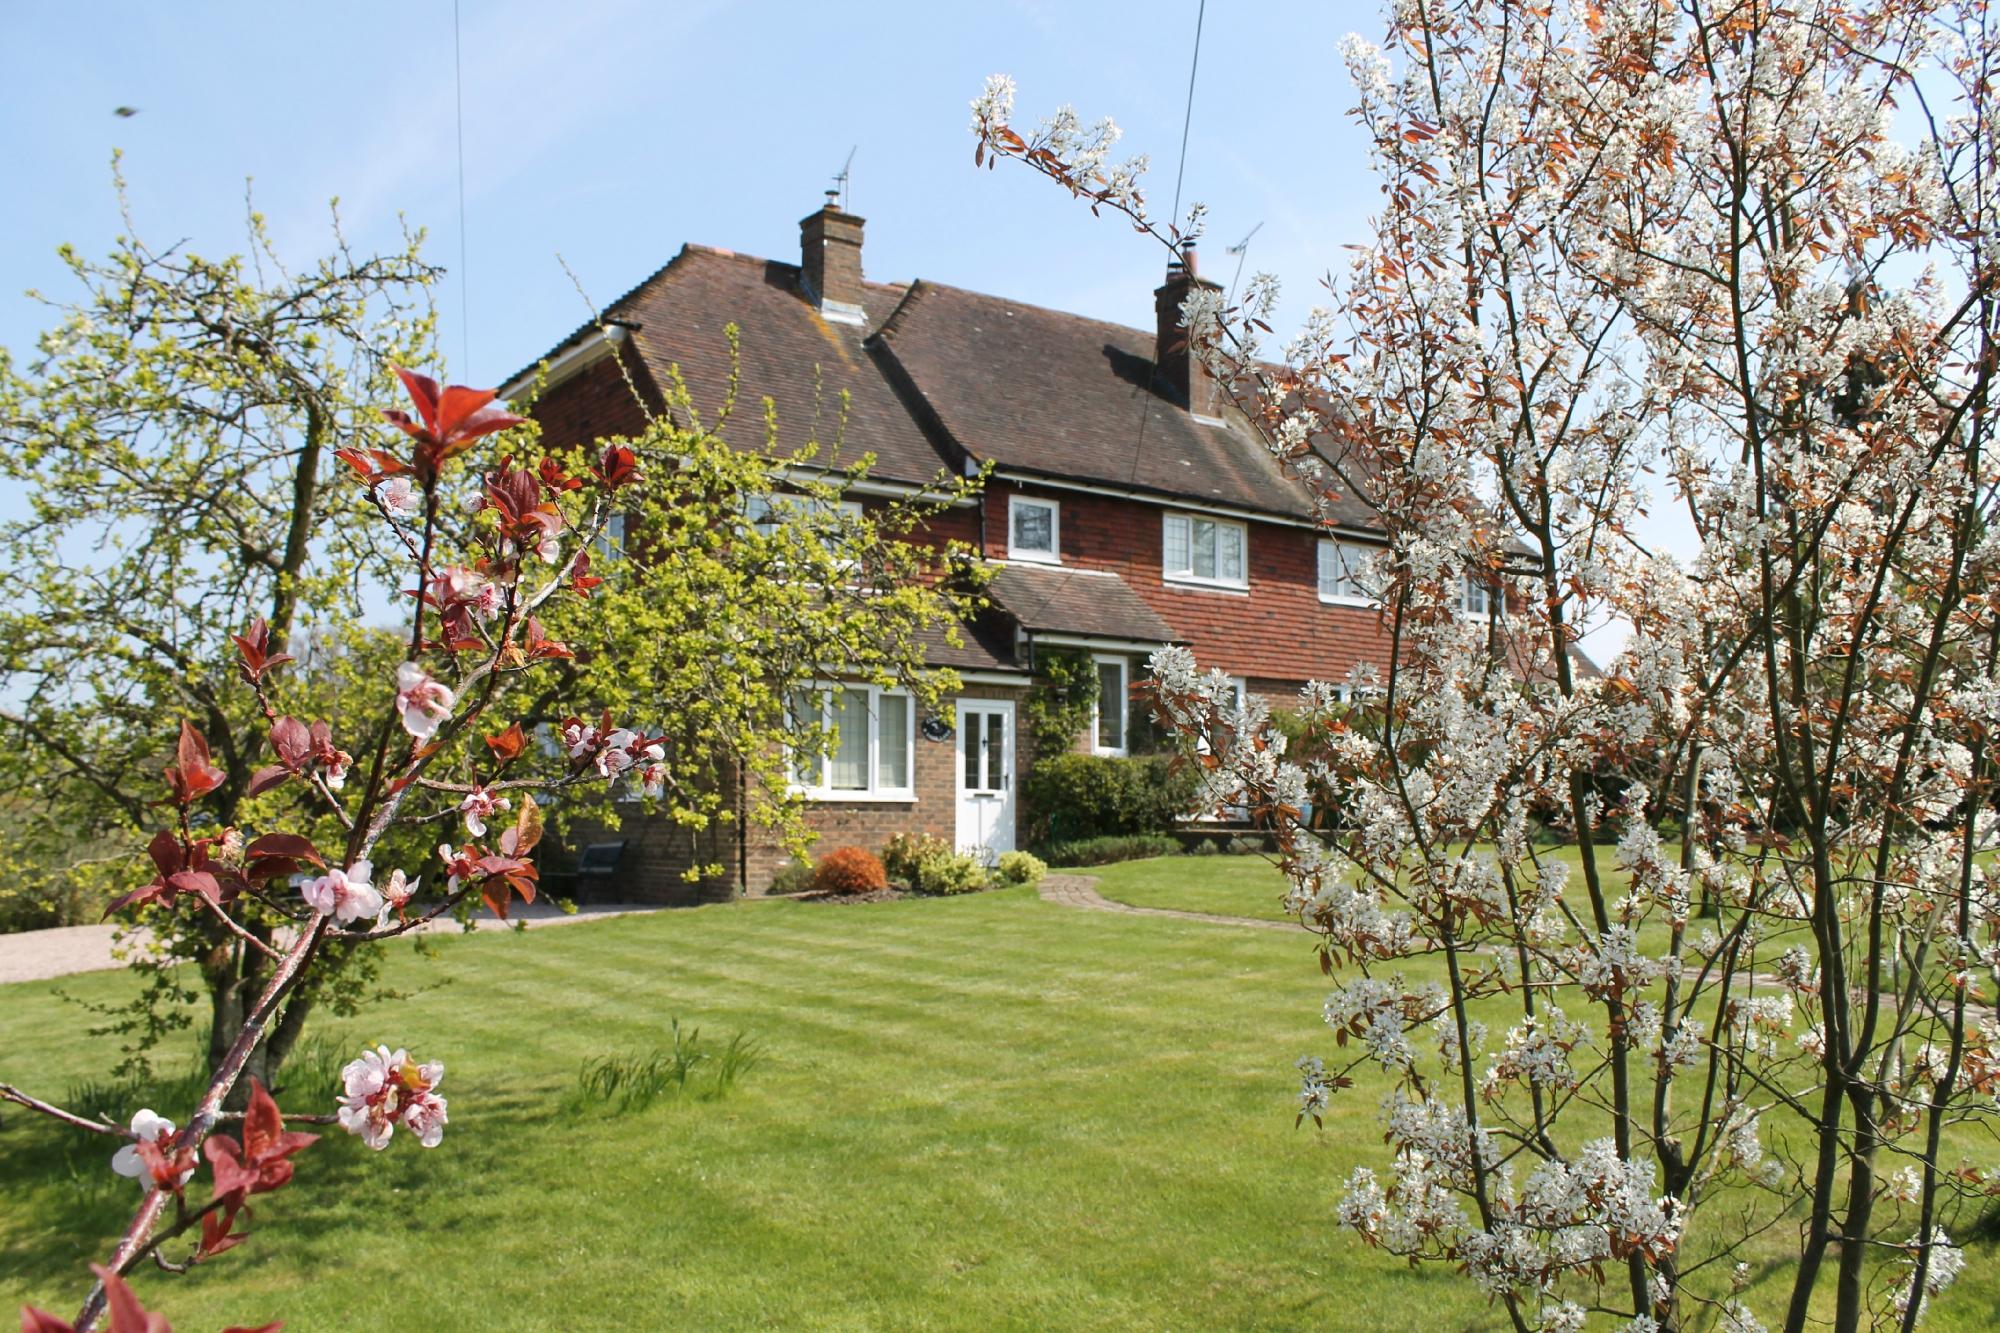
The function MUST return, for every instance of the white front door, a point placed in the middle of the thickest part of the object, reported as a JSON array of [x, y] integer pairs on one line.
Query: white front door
[[985, 777]]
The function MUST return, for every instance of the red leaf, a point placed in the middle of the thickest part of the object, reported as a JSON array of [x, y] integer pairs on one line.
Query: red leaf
[[260, 1163], [127, 1315], [216, 1233], [266, 778], [194, 776], [196, 881], [293, 845], [618, 466], [291, 740], [165, 849], [509, 745]]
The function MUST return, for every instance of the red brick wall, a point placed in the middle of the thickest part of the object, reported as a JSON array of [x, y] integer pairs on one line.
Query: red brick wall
[[591, 404], [869, 824], [1278, 631]]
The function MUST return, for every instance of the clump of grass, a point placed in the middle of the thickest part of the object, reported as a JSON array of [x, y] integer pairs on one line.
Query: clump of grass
[[689, 1068]]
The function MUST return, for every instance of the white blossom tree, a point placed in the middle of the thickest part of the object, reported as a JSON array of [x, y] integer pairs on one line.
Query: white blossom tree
[[1740, 258]]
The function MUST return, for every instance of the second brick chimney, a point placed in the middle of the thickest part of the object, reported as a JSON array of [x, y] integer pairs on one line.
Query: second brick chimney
[[830, 262], [1181, 372]]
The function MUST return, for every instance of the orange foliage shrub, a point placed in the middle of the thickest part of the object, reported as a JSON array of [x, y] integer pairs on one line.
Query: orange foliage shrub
[[850, 870]]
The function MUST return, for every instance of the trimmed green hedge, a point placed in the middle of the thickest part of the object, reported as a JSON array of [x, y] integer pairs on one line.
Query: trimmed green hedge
[[1103, 851], [1072, 797]]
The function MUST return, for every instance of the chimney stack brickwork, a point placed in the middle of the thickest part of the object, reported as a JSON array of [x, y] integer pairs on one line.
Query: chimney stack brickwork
[[830, 262], [1179, 369]]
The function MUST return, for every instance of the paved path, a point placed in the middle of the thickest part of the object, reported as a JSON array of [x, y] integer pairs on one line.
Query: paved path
[[1081, 891], [38, 955]]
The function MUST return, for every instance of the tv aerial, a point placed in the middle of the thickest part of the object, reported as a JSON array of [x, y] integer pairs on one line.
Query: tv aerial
[[843, 177], [1240, 249]]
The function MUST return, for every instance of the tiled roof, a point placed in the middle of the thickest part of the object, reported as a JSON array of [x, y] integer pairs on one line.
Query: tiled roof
[[787, 353], [1072, 601], [1074, 398], [985, 646]]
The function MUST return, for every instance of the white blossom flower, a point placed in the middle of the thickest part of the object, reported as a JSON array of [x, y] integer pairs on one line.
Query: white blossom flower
[[146, 1128]]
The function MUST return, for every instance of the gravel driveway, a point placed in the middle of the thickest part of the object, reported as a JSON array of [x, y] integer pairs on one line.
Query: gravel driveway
[[38, 955]]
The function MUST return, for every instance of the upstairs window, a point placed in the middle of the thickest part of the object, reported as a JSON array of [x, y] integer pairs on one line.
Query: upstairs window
[[1213, 551], [1343, 570], [1034, 530], [611, 542], [1114, 693], [1479, 601]]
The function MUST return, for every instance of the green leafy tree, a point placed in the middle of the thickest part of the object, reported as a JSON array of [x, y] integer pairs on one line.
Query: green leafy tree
[[172, 442]]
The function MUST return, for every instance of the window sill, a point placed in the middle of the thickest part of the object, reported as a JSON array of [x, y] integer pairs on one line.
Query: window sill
[[1033, 557], [823, 797], [1205, 585], [1363, 603], [1103, 752]]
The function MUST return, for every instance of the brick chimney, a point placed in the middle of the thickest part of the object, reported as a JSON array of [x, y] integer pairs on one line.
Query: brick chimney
[[1181, 372], [830, 262]]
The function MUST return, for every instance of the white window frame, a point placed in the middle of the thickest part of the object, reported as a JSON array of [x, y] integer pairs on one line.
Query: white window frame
[[1478, 601], [1330, 548], [1185, 573], [1124, 665], [824, 790], [1052, 556]]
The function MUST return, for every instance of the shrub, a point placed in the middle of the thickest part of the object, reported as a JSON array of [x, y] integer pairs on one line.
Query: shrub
[[1020, 868], [931, 865], [795, 877], [1103, 851], [850, 870], [901, 854], [1078, 796]]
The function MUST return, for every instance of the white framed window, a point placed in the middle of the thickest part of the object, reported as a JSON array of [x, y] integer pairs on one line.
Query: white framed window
[[1479, 600], [1109, 720], [873, 752], [1343, 573], [1034, 530], [1212, 551]]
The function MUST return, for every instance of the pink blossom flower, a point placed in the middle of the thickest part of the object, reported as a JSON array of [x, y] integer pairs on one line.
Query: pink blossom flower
[[616, 756], [384, 1087], [653, 781], [478, 806], [578, 738], [398, 495], [345, 895], [422, 700], [146, 1128], [459, 865]]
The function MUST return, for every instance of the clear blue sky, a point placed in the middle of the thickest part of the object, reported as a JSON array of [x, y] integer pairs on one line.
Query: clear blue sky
[[611, 133]]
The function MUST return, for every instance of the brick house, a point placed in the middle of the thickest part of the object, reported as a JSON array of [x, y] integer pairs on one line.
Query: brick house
[[1128, 507]]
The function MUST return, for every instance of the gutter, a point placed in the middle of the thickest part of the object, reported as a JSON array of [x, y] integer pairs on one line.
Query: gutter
[[600, 342]]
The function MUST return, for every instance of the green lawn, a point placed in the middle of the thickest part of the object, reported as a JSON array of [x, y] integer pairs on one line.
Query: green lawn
[[977, 1112]]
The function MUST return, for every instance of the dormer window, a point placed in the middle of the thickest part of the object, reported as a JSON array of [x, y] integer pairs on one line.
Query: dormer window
[[1034, 530]]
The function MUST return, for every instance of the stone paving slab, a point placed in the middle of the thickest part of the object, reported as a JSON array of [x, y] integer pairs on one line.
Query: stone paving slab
[[39, 955]]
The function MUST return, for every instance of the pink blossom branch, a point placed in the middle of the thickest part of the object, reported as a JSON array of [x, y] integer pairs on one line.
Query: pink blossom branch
[[10, 1093]]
